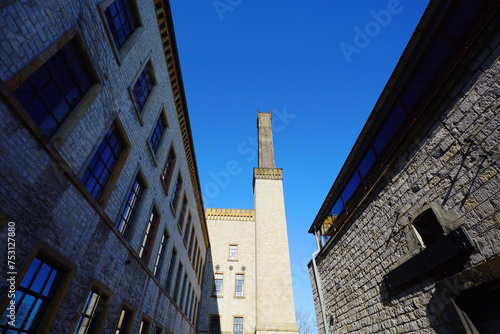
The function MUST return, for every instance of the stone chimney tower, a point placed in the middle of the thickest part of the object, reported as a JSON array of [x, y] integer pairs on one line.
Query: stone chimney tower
[[274, 295]]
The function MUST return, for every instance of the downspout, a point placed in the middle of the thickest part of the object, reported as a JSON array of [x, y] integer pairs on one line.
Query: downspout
[[318, 282]]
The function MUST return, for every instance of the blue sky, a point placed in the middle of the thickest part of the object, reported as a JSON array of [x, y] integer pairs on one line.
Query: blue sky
[[320, 66]]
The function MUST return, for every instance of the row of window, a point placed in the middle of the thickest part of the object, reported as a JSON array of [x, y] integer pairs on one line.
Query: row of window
[[34, 301], [214, 325], [239, 284]]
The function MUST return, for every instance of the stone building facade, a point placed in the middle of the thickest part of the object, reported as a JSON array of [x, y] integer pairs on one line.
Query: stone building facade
[[248, 284], [409, 234], [100, 206]]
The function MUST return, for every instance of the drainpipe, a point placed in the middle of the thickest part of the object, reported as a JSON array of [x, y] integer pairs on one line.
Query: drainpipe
[[318, 282]]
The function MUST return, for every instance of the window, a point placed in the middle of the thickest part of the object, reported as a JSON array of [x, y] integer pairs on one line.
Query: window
[[121, 21], [178, 279], [158, 329], [52, 92], [186, 304], [218, 285], [191, 307], [130, 208], [124, 322], [428, 227], [183, 292], [214, 325], [142, 88], [32, 298], [193, 259], [190, 248], [168, 170], [180, 222], [233, 252], [144, 326], [161, 254], [171, 269], [177, 190], [157, 134], [186, 231], [101, 166], [240, 282], [149, 233], [93, 312], [200, 273], [238, 325]]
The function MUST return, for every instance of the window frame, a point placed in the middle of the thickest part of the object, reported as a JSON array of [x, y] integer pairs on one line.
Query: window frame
[[113, 178], [145, 320], [166, 184], [160, 257], [67, 269], [229, 255], [127, 306], [100, 289], [162, 117], [154, 211], [210, 323], [177, 194], [242, 286], [214, 286], [141, 113], [242, 323], [121, 53], [75, 115]]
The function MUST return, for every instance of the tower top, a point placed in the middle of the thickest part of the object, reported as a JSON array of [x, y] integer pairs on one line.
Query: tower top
[[266, 148]]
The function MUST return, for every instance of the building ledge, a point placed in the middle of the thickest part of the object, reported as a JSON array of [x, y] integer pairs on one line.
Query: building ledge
[[230, 214]]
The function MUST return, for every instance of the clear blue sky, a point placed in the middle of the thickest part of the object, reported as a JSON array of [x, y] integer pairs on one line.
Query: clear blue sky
[[308, 62]]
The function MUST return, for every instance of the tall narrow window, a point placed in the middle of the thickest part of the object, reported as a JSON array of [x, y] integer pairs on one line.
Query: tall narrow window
[[32, 298], [149, 233], [238, 325], [121, 21], [178, 279], [168, 170], [92, 313], [130, 208], [182, 297], [124, 322], [186, 304], [161, 254], [200, 272], [240, 283], [157, 134], [186, 230], [233, 252], [218, 285], [55, 88], [180, 222], [214, 325], [102, 164], [144, 326], [191, 306], [177, 190], [142, 88], [191, 240], [171, 270]]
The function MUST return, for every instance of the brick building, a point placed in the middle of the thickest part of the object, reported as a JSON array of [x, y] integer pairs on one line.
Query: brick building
[[408, 236], [248, 283], [98, 176]]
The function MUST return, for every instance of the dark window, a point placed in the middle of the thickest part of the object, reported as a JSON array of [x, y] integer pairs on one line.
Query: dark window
[[349, 190], [55, 88], [161, 254], [32, 297], [186, 304], [102, 164], [121, 20], [191, 306], [183, 292], [428, 227], [130, 208], [391, 126], [214, 325], [180, 222], [178, 282], [186, 230], [144, 327], [92, 310], [171, 269], [142, 88], [238, 325], [148, 235], [240, 282], [191, 241], [157, 134], [177, 190], [124, 321], [193, 259], [197, 261], [168, 170]]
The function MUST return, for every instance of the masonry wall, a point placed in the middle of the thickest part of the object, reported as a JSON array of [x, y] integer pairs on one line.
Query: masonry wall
[[39, 181], [454, 164], [224, 231]]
